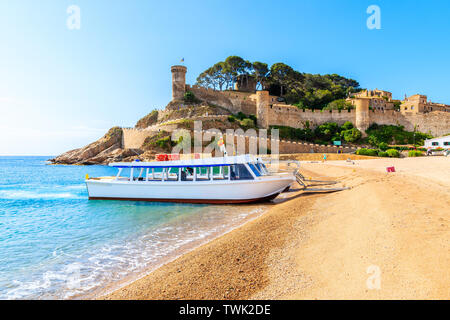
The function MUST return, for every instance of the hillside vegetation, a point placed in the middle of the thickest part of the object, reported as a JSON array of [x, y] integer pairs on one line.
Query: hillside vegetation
[[302, 89]]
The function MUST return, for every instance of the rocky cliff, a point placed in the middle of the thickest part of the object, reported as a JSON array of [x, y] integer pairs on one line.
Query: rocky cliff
[[106, 149], [110, 147]]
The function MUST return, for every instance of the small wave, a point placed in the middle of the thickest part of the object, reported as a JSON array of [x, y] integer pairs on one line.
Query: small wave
[[123, 258], [25, 195], [76, 187]]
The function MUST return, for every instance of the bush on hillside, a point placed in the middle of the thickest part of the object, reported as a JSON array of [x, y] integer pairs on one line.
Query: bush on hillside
[[247, 124], [390, 134], [189, 97], [383, 146], [351, 135], [290, 133], [367, 152], [347, 126], [241, 116], [253, 117], [392, 153], [415, 153]]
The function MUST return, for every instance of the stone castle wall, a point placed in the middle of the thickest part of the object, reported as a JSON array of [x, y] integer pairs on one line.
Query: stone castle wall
[[270, 112], [291, 116], [134, 138], [436, 123], [234, 101]]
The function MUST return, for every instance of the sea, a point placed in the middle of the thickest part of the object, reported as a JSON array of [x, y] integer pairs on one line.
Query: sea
[[57, 244]]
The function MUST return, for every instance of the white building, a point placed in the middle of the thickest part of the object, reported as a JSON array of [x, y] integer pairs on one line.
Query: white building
[[441, 142]]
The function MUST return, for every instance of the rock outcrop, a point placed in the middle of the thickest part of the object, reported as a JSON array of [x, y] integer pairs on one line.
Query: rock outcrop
[[106, 149], [110, 148], [148, 120]]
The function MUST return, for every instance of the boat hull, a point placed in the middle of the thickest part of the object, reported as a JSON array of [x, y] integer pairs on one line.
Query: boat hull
[[211, 192]]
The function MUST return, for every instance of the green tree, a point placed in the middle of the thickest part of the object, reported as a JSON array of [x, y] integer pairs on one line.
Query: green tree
[[213, 77], [260, 72], [347, 125], [281, 74], [383, 146], [340, 104], [235, 66], [308, 90], [352, 135]]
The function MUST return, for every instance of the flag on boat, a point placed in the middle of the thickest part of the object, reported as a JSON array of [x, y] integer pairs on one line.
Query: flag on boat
[[221, 145]]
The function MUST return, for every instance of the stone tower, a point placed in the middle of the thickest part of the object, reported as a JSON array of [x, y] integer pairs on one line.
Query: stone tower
[[362, 116], [262, 108], [178, 82]]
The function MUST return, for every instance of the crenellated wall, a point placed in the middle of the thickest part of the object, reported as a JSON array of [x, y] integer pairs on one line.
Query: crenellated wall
[[235, 101], [270, 112], [134, 138], [437, 123], [291, 116]]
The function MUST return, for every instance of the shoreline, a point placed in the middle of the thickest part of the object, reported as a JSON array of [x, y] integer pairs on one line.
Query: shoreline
[[256, 212], [229, 253], [319, 246]]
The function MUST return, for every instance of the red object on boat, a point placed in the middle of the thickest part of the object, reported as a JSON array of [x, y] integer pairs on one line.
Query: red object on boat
[[162, 157], [390, 169], [174, 156]]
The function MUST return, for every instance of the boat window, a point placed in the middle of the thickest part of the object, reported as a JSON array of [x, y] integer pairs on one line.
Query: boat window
[[220, 173], [254, 169], [262, 168], [172, 174], [240, 172], [126, 173], [187, 174], [155, 174]]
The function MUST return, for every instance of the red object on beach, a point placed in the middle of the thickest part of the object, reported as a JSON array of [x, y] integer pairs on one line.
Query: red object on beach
[[390, 169], [196, 156], [162, 157]]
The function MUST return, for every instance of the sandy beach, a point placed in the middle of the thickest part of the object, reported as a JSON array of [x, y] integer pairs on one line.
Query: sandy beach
[[388, 237]]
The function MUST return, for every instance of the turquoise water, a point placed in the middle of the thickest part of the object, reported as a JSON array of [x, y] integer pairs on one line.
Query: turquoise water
[[56, 244]]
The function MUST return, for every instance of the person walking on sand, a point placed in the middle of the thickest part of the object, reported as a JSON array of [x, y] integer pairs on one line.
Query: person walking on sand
[[324, 157]]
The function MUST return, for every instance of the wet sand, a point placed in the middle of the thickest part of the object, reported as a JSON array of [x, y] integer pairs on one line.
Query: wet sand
[[388, 237]]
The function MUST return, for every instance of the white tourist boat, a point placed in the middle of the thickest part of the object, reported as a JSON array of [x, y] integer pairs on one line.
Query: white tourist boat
[[234, 179]]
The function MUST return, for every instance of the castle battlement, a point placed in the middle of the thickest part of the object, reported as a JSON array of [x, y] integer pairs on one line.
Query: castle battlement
[[374, 106]]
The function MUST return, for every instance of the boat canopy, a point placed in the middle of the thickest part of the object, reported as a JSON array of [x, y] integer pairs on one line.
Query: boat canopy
[[206, 162]]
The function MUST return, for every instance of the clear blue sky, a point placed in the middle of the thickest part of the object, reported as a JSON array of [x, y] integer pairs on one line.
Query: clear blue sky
[[61, 89]]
